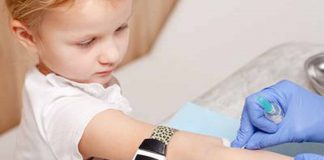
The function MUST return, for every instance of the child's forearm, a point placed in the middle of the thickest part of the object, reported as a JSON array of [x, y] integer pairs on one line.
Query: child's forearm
[[189, 146]]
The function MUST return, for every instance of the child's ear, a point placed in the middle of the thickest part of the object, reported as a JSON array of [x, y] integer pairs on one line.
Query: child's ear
[[24, 35]]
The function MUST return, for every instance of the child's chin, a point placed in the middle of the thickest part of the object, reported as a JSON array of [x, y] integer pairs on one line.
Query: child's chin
[[103, 80]]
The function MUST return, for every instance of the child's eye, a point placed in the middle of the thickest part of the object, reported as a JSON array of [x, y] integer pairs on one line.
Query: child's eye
[[122, 28], [86, 43]]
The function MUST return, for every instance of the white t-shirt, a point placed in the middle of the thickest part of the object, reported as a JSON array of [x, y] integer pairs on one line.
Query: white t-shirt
[[56, 112]]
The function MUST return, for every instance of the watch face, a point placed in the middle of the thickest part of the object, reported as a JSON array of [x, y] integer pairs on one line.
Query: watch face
[[154, 146], [142, 157], [151, 149], [146, 155]]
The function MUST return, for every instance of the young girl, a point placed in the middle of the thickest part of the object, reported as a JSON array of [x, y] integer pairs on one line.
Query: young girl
[[73, 108]]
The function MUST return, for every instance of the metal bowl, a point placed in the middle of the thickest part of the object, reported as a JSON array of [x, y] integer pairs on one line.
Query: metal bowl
[[314, 67]]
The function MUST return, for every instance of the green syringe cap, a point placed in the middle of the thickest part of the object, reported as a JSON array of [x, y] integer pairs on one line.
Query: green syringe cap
[[265, 104]]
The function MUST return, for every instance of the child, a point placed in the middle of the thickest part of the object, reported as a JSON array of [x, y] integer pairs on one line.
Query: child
[[73, 108]]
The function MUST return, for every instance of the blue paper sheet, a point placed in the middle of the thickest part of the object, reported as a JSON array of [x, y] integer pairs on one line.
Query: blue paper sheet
[[194, 118]]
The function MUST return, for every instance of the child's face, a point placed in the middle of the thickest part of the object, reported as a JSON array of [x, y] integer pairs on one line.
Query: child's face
[[87, 41]]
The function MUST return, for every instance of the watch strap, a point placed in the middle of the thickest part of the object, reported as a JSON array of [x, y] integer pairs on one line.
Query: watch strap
[[163, 133]]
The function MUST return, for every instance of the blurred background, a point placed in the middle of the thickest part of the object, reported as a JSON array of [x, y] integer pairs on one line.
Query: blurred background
[[203, 42], [179, 49]]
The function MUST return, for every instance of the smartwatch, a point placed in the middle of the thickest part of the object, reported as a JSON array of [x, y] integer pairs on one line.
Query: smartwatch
[[155, 147]]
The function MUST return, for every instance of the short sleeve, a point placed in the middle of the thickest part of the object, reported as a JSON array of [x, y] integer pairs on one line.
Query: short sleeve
[[65, 120]]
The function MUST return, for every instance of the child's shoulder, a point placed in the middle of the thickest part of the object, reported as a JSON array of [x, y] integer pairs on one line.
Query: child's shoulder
[[43, 90]]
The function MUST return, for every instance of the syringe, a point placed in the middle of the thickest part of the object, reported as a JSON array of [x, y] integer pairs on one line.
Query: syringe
[[272, 111]]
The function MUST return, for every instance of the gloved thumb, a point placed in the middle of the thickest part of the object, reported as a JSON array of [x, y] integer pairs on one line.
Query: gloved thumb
[[257, 115], [264, 124], [309, 156]]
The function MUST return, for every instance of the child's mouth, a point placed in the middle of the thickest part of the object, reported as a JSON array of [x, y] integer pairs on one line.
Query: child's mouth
[[104, 73]]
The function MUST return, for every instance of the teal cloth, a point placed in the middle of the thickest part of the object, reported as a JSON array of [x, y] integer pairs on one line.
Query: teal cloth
[[194, 118]]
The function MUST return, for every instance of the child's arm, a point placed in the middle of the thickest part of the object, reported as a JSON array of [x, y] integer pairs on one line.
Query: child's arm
[[113, 135]]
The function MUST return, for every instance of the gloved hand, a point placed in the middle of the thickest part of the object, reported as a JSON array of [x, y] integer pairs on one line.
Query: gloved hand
[[309, 156], [303, 118]]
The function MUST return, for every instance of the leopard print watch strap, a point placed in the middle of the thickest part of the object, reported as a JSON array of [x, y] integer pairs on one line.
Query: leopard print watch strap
[[163, 133]]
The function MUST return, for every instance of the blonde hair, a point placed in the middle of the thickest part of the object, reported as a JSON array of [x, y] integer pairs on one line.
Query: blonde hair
[[30, 12]]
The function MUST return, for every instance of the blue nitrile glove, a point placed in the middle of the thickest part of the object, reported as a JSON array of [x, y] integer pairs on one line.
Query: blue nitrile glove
[[309, 156], [303, 118]]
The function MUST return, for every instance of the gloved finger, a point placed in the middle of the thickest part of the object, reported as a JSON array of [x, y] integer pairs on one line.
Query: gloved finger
[[282, 91], [244, 133], [261, 140], [257, 115], [309, 156]]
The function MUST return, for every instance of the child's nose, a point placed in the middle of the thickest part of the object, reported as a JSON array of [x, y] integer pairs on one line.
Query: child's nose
[[109, 56]]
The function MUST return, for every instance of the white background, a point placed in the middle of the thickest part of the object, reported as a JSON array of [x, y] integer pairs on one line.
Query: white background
[[207, 40]]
